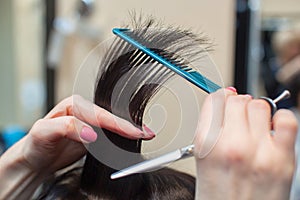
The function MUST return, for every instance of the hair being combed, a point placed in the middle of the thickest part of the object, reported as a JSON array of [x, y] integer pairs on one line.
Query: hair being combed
[[122, 69]]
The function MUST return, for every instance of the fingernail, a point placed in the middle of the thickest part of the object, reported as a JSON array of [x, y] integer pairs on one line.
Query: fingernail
[[231, 88], [148, 133], [88, 134]]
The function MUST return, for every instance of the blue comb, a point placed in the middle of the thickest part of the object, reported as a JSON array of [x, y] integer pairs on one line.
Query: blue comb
[[186, 72]]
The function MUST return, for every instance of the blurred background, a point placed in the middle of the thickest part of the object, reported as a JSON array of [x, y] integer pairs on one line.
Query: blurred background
[[43, 43]]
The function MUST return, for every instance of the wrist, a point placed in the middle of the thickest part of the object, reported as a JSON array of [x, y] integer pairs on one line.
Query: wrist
[[18, 179]]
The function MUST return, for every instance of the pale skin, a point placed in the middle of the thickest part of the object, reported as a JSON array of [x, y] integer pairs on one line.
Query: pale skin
[[245, 163], [55, 142]]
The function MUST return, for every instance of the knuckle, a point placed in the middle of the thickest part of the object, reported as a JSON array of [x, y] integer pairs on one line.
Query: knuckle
[[261, 168], [260, 104], [69, 125], [38, 128], [103, 116], [240, 99], [70, 103], [268, 169], [99, 117], [70, 109], [66, 104], [233, 155], [269, 165], [38, 123]]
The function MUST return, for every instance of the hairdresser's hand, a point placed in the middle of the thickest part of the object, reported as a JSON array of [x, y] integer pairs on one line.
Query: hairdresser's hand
[[247, 161], [58, 139]]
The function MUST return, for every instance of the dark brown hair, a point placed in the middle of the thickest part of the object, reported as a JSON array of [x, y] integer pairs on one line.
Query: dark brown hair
[[123, 62]]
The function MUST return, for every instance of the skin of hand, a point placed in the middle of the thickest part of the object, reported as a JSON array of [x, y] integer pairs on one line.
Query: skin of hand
[[55, 142], [237, 156]]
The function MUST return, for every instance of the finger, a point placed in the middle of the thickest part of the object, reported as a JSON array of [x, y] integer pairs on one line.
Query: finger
[[236, 119], [211, 121], [259, 115], [212, 113], [285, 127], [53, 130], [97, 116]]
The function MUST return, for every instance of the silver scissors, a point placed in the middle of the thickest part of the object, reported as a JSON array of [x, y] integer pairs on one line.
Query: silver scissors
[[154, 163], [181, 153]]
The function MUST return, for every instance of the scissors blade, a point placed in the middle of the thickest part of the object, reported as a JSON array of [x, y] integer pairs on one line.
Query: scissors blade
[[156, 162]]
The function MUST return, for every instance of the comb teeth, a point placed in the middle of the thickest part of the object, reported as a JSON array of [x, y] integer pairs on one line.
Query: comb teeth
[[177, 64], [139, 58], [174, 59], [170, 57], [187, 68]]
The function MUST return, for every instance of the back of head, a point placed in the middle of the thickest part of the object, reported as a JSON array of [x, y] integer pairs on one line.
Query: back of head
[[164, 184]]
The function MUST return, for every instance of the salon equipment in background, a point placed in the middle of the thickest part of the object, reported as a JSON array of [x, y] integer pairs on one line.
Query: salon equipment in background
[[58, 30], [63, 27], [2, 145], [181, 153], [247, 46], [11, 134]]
